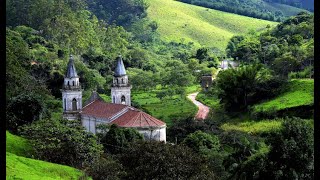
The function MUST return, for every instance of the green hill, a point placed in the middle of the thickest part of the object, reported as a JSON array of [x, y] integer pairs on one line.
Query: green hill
[[297, 100], [182, 22], [19, 167], [299, 93]]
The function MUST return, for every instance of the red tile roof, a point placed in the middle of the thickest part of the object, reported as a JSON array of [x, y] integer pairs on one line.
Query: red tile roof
[[137, 118], [101, 109], [131, 118]]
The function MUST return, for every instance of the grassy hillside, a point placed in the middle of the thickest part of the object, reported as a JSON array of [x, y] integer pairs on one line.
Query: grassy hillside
[[19, 167], [18, 145], [299, 92], [182, 22]]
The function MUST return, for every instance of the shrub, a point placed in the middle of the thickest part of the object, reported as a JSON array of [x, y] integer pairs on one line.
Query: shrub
[[62, 141], [24, 109], [199, 140], [156, 160], [118, 138], [106, 168], [291, 155]]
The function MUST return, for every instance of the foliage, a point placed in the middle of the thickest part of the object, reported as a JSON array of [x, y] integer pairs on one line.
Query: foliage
[[18, 145], [291, 154], [306, 73], [298, 92], [240, 147], [296, 3], [200, 141], [18, 167], [118, 138], [156, 160], [242, 86], [122, 13], [143, 80], [285, 48], [168, 109], [106, 168], [183, 127], [258, 9], [24, 109], [62, 141]]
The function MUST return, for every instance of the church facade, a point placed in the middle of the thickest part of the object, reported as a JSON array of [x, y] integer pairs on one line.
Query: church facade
[[96, 111]]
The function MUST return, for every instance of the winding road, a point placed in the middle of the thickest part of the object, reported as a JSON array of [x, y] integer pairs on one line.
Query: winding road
[[203, 109]]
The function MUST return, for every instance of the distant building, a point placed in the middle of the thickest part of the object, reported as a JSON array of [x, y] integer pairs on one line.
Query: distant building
[[206, 82], [225, 64], [96, 111]]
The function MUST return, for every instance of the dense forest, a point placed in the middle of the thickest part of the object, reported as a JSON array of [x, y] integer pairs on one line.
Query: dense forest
[[268, 143], [269, 10], [305, 4]]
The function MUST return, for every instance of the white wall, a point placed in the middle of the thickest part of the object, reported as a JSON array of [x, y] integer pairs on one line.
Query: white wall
[[156, 134], [68, 96]]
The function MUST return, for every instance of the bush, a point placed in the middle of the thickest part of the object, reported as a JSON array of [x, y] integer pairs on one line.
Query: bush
[[24, 109], [182, 128], [291, 155], [62, 141], [199, 140], [156, 160], [118, 138], [106, 168]]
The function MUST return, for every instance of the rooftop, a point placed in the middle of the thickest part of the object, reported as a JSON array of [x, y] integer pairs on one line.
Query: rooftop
[[71, 69], [120, 70]]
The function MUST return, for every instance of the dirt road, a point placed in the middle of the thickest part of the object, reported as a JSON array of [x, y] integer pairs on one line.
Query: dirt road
[[203, 109]]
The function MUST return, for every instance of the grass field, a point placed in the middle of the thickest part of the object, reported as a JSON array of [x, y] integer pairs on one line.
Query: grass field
[[254, 127], [18, 145], [18, 166], [167, 109], [182, 22], [205, 99], [299, 92]]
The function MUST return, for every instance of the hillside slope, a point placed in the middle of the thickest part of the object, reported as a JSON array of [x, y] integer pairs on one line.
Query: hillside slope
[[19, 167], [182, 22]]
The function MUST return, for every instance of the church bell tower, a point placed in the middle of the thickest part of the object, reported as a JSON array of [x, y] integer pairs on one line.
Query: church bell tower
[[71, 93], [120, 88]]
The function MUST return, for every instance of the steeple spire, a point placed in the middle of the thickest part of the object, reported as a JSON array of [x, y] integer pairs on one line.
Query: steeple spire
[[120, 70], [71, 69]]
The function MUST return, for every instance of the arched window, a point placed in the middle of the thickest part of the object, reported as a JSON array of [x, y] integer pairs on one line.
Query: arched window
[[114, 101], [122, 80], [73, 83], [74, 104], [65, 105], [68, 83], [117, 81], [123, 100]]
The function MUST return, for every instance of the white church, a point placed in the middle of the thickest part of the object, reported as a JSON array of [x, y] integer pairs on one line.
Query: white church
[[96, 111]]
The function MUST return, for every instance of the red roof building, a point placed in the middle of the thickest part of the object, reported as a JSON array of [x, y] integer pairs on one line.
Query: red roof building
[[100, 112]]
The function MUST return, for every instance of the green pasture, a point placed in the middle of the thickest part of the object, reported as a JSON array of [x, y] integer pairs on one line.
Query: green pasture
[[253, 127], [18, 166], [181, 22], [298, 93]]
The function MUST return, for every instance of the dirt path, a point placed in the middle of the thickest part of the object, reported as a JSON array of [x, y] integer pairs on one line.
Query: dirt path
[[203, 109]]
